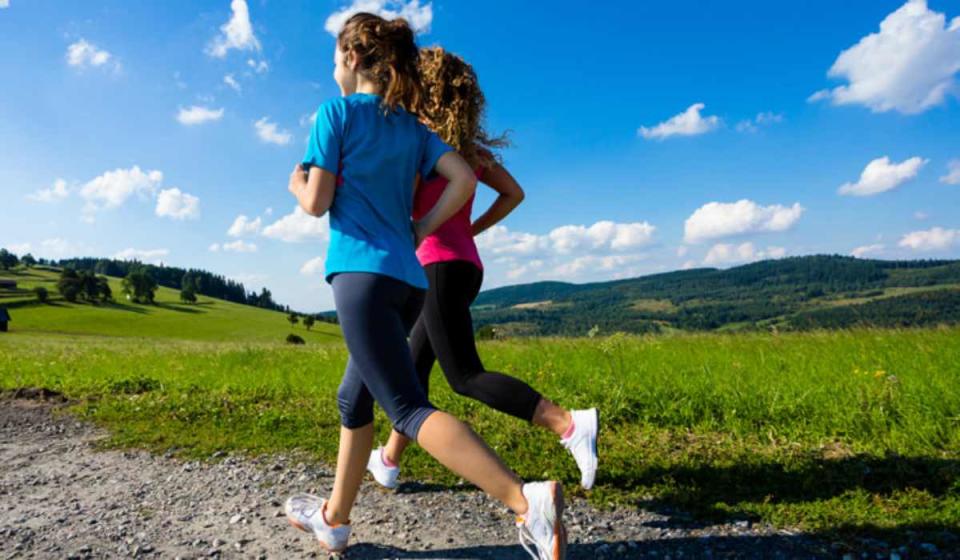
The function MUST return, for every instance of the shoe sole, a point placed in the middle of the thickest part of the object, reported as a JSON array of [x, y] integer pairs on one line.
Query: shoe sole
[[596, 451], [297, 525], [559, 531]]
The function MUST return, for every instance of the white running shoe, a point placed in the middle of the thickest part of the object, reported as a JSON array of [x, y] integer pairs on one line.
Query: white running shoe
[[305, 512], [384, 474], [583, 444], [542, 525]]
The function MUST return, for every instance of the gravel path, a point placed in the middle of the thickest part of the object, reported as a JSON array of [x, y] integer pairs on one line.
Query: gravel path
[[63, 499]]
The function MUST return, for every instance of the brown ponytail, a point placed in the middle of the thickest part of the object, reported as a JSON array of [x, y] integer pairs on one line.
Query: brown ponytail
[[453, 106], [387, 55]]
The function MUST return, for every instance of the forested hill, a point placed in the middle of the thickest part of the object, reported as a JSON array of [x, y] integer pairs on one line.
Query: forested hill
[[792, 293]]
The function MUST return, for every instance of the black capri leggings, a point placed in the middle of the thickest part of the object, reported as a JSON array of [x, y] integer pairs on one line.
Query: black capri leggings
[[444, 332]]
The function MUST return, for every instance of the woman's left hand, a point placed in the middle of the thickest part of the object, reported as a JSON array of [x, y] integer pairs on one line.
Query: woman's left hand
[[298, 179]]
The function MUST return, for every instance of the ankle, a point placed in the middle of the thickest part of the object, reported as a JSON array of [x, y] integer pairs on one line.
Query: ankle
[[389, 459], [333, 516]]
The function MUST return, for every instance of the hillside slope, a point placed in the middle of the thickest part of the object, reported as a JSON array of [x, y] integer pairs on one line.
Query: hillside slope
[[793, 293], [208, 320]]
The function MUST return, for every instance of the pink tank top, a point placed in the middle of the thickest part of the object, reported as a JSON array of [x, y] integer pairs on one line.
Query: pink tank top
[[453, 241]]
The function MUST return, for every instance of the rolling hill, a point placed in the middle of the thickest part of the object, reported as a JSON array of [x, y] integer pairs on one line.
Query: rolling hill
[[209, 319], [794, 293]]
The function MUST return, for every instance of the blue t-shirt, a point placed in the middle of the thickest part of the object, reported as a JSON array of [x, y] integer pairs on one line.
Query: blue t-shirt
[[376, 158]]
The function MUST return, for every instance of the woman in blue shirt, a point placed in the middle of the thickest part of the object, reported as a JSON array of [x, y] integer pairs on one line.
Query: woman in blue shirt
[[366, 151]]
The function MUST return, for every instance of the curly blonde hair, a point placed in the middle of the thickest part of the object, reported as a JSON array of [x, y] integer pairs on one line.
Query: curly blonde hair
[[453, 104], [387, 55]]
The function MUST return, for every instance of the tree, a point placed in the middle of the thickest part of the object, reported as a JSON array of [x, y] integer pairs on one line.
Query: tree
[[140, 286], [69, 284], [308, 322], [28, 260], [7, 259], [293, 319], [41, 293], [187, 295]]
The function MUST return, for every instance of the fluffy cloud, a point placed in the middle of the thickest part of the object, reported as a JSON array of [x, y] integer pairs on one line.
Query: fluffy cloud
[[861, 252], [298, 226], [83, 54], [725, 253], [880, 175], [908, 66], [152, 256], [419, 17], [177, 205], [4, 4], [232, 82], [57, 192], [237, 33], [953, 174], [687, 123], [197, 114], [766, 118], [268, 132], [243, 226], [313, 267], [606, 264], [716, 220], [239, 246], [564, 240], [113, 188], [258, 66], [214, 248], [934, 239]]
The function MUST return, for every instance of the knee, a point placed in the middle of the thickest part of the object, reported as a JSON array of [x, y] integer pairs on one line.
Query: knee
[[409, 423], [355, 412], [464, 384]]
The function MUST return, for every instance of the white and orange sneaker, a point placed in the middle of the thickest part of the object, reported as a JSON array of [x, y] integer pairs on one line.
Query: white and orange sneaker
[[384, 474], [306, 512], [582, 444], [541, 529]]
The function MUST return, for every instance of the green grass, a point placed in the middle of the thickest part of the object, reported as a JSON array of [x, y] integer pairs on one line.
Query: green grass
[[846, 432], [208, 320]]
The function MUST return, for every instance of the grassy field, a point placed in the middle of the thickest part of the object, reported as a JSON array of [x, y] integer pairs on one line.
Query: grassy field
[[848, 433], [209, 319]]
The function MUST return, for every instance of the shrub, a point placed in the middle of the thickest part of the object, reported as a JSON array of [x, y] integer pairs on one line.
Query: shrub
[[41, 293], [294, 339]]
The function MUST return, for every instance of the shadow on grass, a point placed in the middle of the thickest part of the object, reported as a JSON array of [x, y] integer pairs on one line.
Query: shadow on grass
[[180, 308]]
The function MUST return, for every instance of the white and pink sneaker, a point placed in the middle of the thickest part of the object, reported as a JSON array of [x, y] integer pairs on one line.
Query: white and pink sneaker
[[306, 512], [582, 444], [384, 473]]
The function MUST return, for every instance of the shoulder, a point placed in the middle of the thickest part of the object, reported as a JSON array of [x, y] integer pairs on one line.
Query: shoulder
[[332, 108]]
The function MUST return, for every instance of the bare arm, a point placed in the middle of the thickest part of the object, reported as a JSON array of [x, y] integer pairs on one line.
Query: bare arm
[[511, 195], [314, 191], [460, 187]]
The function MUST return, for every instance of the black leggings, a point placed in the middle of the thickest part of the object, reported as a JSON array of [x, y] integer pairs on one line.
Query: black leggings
[[444, 332]]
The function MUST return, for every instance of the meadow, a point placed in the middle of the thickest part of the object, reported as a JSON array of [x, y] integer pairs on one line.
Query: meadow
[[845, 432]]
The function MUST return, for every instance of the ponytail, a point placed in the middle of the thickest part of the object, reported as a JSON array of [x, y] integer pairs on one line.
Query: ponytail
[[387, 55]]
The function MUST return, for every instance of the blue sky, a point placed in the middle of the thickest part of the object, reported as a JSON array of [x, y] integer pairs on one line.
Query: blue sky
[[649, 136]]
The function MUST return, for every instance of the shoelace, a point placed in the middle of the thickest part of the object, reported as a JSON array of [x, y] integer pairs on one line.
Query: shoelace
[[524, 535]]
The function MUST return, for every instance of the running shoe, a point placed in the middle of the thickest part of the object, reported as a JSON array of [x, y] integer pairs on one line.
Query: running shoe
[[582, 443], [541, 529], [384, 474], [305, 512]]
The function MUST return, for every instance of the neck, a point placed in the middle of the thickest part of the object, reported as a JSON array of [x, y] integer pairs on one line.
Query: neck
[[366, 86]]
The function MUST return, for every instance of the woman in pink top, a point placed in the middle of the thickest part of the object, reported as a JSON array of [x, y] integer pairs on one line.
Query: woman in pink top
[[454, 109]]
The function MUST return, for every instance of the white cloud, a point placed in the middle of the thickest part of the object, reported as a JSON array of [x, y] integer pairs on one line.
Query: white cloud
[[715, 220], [152, 256], [214, 247], [762, 119], [880, 175], [298, 226], [592, 263], [177, 205], [232, 82], [313, 267], [197, 114], [725, 253], [19, 248], [687, 123], [83, 54], [908, 66], [4, 3], [258, 66], [861, 252], [419, 17], [268, 132], [953, 175], [56, 193], [934, 239], [564, 240], [113, 188], [237, 33], [308, 120], [239, 246], [58, 248], [243, 226]]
